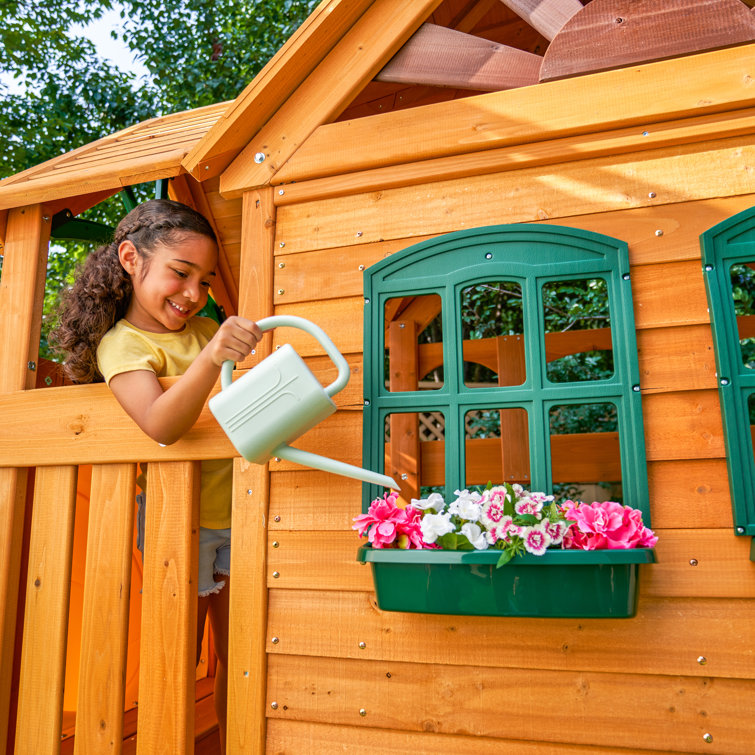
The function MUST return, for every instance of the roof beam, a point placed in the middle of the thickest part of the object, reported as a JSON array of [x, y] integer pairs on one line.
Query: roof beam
[[437, 56], [547, 16], [350, 65]]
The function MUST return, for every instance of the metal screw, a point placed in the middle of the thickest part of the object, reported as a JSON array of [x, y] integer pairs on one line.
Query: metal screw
[[206, 167], [281, 291], [276, 574], [645, 133], [276, 518], [693, 562], [281, 192], [707, 737], [246, 673], [32, 365], [276, 544], [275, 640], [740, 530], [651, 195], [636, 388], [359, 233], [724, 381], [366, 402], [362, 712], [282, 244], [366, 301], [702, 660], [274, 705], [259, 158], [708, 268], [362, 645], [281, 265], [489, 256], [361, 267], [659, 232], [249, 492], [45, 218], [625, 276], [404, 476], [402, 325]]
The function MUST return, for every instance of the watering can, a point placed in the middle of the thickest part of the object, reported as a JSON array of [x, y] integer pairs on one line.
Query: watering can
[[280, 399]]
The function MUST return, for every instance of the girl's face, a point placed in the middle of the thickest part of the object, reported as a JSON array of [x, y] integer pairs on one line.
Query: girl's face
[[172, 286]]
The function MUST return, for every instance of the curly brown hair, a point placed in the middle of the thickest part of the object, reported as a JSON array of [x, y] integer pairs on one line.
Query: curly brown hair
[[102, 289]]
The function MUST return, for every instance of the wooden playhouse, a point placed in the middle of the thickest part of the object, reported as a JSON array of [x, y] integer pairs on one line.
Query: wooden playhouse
[[390, 158]]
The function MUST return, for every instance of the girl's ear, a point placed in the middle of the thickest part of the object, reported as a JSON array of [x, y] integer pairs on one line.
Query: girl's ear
[[128, 256]]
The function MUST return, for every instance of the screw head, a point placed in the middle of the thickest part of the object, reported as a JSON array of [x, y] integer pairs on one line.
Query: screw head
[[276, 574], [366, 402], [724, 381], [366, 301], [659, 232], [488, 255], [362, 712], [708, 268], [249, 491], [362, 645], [359, 234], [259, 158], [282, 244], [625, 276], [276, 518], [404, 476], [281, 291], [740, 530], [693, 562], [281, 265], [31, 365], [636, 388], [281, 192], [274, 640], [702, 660], [707, 737], [361, 267], [651, 195], [274, 705], [276, 544]]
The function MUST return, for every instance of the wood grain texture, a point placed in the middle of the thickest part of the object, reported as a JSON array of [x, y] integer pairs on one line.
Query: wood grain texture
[[650, 643], [437, 56], [312, 561], [358, 55], [43, 656], [634, 96], [104, 637], [458, 700], [288, 738], [169, 610], [610, 34], [547, 16], [606, 184]]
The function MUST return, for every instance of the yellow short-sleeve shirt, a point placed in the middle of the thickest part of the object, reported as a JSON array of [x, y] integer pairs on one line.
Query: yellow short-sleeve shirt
[[125, 348]]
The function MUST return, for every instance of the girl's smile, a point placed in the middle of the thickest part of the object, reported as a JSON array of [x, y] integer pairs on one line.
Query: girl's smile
[[172, 285]]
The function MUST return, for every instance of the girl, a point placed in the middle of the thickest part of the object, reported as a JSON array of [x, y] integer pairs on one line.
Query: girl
[[129, 318]]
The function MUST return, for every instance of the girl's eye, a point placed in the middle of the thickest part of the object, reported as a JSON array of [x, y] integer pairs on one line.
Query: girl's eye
[[205, 284], [180, 273]]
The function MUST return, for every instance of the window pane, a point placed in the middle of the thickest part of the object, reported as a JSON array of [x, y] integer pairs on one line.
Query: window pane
[[577, 330], [413, 343], [415, 452], [497, 446], [585, 456], [743, 293], [493, 334]]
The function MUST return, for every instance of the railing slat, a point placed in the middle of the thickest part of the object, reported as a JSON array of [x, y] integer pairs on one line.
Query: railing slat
[[169, 610], [104, 635], [43, 656]]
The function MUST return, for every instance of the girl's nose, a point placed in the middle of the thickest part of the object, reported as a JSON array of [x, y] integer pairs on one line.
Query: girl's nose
[[191, 291]]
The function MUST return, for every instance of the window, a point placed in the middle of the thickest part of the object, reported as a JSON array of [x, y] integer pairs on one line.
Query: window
[[505, 353], [728, 254]]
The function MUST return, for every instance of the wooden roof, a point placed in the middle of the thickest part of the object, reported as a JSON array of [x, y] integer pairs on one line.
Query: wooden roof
[[144, 152], [353, 58]]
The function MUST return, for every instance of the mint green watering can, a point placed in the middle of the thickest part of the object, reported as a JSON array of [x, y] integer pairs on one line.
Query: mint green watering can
[[280, 399]]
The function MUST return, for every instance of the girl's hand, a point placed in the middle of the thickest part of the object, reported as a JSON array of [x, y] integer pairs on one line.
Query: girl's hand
[[234, 340]]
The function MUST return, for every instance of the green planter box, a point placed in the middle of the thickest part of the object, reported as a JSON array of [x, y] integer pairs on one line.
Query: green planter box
[[565, 584]]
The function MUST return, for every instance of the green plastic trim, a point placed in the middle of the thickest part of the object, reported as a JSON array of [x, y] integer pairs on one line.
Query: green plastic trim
[[725, 244], [367, 554], [531, 255]]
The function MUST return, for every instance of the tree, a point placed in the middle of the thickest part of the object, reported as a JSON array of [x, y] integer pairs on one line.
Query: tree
[[198, 52]]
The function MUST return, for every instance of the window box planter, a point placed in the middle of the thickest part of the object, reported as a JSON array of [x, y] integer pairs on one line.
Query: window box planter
[[558, 584]]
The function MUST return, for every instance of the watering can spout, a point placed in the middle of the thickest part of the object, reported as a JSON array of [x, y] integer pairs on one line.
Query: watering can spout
[[325, 464]]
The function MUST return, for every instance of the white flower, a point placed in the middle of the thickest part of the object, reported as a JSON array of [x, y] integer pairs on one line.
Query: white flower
[[433, 501], [467, 505], [475, 536], [435, 526]]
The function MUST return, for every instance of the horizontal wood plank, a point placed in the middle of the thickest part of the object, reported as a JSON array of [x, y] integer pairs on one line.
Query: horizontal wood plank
[[718, 630], [288, 738], [316, 560], [459, 700], [688, 173], [616, 99]]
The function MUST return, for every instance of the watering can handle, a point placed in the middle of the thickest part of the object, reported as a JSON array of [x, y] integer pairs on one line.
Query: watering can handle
[[277, 321]]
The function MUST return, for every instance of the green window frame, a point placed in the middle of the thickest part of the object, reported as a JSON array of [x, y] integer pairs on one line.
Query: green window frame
[[723, 246], [533, 256]]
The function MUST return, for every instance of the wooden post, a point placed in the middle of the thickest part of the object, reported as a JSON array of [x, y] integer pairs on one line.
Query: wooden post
[[43, 656], [104, 636], [247, 642], [169, 610], [21, 287], [515, 447], [404, 446]]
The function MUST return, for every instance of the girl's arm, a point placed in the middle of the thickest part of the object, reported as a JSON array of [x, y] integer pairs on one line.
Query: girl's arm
[[167, 415]]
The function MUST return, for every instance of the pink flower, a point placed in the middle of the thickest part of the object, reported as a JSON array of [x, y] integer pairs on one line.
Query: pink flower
[[389, 526], [604, 524], [536, 539], [529, 505]]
